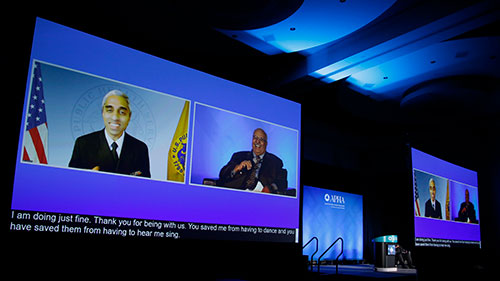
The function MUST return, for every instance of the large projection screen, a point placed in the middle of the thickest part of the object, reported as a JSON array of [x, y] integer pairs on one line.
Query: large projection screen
[[179, 128], [446, 203]]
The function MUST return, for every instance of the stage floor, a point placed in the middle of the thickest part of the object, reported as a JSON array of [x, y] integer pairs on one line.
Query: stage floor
[[363, 272]]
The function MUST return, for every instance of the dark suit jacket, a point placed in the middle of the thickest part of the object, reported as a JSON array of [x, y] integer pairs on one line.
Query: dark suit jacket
[[430, 212], [271, 171], [470, 212], [92, 150]]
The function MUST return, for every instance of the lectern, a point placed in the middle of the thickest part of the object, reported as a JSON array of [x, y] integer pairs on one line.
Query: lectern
[[385, 253]]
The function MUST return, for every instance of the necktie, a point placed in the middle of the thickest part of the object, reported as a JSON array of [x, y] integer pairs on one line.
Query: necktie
[[252, 179], [114, 153]]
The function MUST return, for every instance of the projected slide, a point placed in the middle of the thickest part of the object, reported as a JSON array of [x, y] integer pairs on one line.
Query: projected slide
[[445, 203], [223, 140], [329, 214], [114, 141], [73, 104]]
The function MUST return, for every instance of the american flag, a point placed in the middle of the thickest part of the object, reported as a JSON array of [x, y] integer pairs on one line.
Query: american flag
[[36, 133], [417, 200]]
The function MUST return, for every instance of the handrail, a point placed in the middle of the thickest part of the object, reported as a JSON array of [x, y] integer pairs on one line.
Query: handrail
[[317, 248], [341, 252]]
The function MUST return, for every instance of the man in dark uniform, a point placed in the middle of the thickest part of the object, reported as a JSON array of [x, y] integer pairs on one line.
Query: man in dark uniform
[[432, 206], [111, 149]]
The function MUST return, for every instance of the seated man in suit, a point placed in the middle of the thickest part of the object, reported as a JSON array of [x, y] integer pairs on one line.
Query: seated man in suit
[[467, 213], [112, 149], [432, 206], [256, 170]]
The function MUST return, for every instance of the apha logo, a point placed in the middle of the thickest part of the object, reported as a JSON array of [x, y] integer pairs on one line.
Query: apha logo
[[335, 201]]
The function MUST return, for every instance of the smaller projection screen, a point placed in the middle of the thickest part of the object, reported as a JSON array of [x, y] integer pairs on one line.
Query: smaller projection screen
[[116, 142], [328, 215], [446, 203]]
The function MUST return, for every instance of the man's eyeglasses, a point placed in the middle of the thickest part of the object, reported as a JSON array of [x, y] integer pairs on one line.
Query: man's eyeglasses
[[259, 139]]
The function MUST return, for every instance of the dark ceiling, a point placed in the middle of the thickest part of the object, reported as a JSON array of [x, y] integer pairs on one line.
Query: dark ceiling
[[429, 67]]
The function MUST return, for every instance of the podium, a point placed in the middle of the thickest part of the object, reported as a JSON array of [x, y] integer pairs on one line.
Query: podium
[[385, 253]]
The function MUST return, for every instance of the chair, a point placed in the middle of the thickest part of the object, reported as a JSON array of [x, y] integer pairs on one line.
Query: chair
[[210, 181]]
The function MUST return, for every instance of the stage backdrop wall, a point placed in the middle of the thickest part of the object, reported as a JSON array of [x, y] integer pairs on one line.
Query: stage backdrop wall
[[329, 214]]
